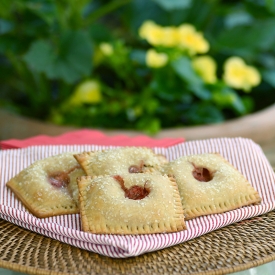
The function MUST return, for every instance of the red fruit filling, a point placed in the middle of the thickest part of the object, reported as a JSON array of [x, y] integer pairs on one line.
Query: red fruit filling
[[134, 192], [136, 168], [202, 174], [59, 179]]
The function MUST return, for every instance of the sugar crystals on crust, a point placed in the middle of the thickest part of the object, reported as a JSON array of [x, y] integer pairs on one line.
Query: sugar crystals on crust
[[43, 186], [121, 160], [130, 204], [209, 184]]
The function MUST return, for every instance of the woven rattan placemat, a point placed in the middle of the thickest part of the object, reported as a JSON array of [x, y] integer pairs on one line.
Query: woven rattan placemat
[[233, 248]]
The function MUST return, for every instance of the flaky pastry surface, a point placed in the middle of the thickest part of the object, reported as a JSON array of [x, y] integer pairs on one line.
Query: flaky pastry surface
[[224, 188], [34, 185], [104, 209], [119, 160]]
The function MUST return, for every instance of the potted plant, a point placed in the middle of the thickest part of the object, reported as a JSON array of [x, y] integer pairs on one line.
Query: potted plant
[[142, 66]]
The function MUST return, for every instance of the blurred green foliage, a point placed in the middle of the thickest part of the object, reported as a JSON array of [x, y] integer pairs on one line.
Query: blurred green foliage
[[48, 48]]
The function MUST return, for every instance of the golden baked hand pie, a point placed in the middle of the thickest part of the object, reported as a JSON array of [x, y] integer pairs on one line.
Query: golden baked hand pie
[[72, 185], [43, 186], [130, 204], [209, 184], [119, 161]]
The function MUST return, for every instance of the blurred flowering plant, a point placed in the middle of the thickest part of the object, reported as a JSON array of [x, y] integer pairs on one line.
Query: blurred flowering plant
[[81, 70]]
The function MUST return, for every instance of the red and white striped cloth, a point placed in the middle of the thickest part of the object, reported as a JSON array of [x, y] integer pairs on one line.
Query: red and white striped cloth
[[242, 153]]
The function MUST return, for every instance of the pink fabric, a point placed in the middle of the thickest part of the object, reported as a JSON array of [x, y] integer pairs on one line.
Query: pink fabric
[[243, 154], [86, 136]]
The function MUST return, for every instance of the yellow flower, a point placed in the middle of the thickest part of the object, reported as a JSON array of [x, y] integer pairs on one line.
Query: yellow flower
[[152, 32], [169, 37], [146, 28], [106, 48], [191, 40], [206, 67], [239, 75], [86, 92], [155, 59], [184, 36]]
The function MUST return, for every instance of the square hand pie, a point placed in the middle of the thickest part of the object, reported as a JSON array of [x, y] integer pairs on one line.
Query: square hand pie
[[209, 184], [43, 186], [130, 204], [119, 161]]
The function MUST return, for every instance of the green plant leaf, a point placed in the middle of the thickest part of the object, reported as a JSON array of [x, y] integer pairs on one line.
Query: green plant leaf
[[269, 77], [184, 70], [139, 11], [100, 33], [238, 18], [259, 36], [149, 125], [138, 56], [6, 7], [76, 51], [170, 5], [201, 92], [226, 97], [8, 44], [44, 9], [61, 70], [239, 106], [203, 113], [5, 26], [270, 4], [40, 56], [71, 61]]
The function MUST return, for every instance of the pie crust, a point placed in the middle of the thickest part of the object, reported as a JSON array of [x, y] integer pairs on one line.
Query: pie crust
[[43, 186], [209, 184], [105, 209], [121, 160]]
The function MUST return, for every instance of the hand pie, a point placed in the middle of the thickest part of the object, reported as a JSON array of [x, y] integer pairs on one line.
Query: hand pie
[[43, 186], [72, 185], [119, 161], [130, 204], [209, 184]]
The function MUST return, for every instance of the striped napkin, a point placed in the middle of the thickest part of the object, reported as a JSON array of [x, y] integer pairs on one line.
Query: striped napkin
[[242, 153]]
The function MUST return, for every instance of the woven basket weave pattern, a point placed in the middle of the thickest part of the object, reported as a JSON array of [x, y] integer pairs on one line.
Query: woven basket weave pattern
[[233, 248]]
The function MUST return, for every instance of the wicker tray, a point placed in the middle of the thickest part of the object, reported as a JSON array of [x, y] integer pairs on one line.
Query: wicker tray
[[233, 248]]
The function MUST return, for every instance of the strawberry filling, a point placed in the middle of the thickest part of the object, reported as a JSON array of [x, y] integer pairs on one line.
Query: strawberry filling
[[136, 168], [202, 174], [135, 192], [59, 179]]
